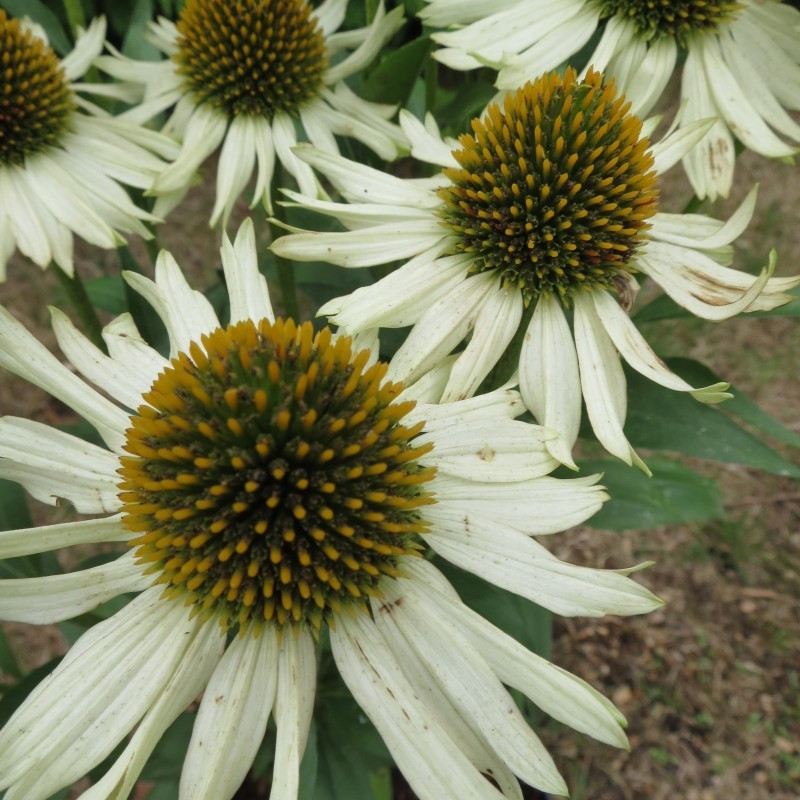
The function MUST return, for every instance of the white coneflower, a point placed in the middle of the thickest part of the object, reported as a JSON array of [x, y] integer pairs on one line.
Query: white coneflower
[[271, 480], [61, 157], [242, 74], [742, 62], [550, 205]]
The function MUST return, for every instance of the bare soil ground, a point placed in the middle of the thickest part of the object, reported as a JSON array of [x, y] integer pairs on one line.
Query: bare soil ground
[[710, 684]]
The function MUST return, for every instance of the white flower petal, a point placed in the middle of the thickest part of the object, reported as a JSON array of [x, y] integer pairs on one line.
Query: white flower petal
[[495, 326], [76, 716], [558, 693], [88, 45], [294, 706], [426, 146], [635, 350], [110, 375], [361, 248], [204, 132], [235, 166], [232, 718], [51, 464], [472, 686], [536, 507], [265, 156], [330, 15], [441, 328], [26, 541], [548, 377], [430, 761], [381, 29], [126, 346], [502, 403], [247, 287], [189, 679], [186, 313], [283, 140], [510, 559], [53, 598]]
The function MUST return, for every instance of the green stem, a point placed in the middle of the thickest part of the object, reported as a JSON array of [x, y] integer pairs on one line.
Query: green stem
[[76, 292], [693, 205], [285, 269], [75, 15]]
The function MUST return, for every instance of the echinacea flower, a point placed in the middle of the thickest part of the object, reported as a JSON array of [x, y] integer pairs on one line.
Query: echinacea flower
[[62, 158], [546, 209], [742, 62], [270, 482], [242, 75]]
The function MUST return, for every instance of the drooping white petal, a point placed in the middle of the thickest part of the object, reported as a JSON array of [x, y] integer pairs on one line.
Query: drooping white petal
[[499, 450], [75, 717], [510, 559], [471, 742], [52, 598], [471, 685], [88, 45], [426, 146], [236, 161], [204, 132], [51, 464], [495, 326], [186, 313], [441, 328], [284, 139], [635, 350], [110, 375], [548, 377], [294, 706], [360, 183], [430, 761], [361, 248], [247, 287], [26, 541], [563, 696], [126, 346], [673, 147], [189, 679], [379, 31], [536, 507], [646, 84], [602, 382], [330, 15], [501, 403], [710, 291], [709, 165], [265, 157], [232, 718]]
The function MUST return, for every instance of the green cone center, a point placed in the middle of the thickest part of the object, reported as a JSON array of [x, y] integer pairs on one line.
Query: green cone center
[[270, 478], [553, 190], [253, 57], [35, 100], [678, 18]]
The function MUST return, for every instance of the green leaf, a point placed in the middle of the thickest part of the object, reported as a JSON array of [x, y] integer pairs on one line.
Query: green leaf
[[13, 507], [134, 44], [107, 294], [674, 494], [309, 767], [8, 661], [14, 697], [528, 623], [468, 102], [350, 750], [661, 419], [39, 12], [393, 79], [740, 404]]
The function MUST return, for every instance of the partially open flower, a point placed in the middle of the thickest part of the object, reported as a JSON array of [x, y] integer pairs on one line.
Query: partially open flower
[[272, 482], [242, 75], [742, 62], [548, 205], [62, 159]]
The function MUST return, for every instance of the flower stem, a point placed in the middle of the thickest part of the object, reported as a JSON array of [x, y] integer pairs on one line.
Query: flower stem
[[76, 292], [75, 14], [285, 269]]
